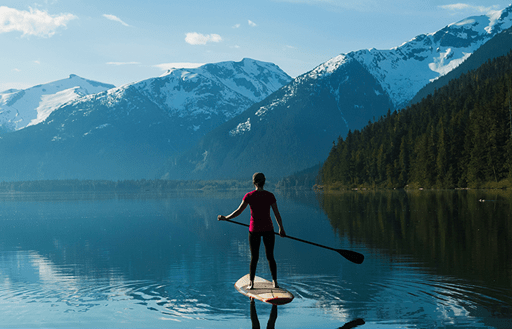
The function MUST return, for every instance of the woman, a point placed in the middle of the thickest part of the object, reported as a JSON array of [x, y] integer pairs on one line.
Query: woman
[[260, 202]]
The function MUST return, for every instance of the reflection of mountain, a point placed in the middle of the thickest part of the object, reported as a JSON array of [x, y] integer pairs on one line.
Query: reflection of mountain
[[84, 253], [105, 233]]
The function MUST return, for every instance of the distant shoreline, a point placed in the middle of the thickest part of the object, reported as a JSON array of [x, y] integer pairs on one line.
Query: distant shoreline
[[162, 186], [144, 185]]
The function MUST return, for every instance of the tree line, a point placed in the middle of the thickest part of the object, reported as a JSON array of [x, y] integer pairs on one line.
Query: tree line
[[458, 137], [142, 185]]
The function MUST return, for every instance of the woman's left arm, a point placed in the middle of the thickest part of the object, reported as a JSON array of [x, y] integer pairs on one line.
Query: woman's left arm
[[279, 221]]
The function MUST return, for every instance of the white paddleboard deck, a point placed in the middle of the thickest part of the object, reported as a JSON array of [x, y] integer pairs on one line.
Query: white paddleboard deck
[[264, 291]]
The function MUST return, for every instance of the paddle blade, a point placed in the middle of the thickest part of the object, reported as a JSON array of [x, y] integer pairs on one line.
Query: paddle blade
[[352, 256]]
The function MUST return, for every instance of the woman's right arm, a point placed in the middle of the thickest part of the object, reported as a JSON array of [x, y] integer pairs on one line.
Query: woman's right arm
[[235, 213]]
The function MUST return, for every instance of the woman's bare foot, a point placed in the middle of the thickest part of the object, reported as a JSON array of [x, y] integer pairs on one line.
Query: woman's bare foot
[[274, 282], [250, 286]]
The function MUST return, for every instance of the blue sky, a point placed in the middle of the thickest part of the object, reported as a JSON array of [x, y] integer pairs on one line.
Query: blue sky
[[125, 41]]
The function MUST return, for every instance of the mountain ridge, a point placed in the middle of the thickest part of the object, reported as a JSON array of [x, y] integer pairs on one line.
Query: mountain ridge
[[342, 94], [22, 108], [129, 131], [229, 119], [498, 46], [431, 55]]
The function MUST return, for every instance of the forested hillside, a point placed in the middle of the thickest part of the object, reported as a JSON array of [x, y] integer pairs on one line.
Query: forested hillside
[[458, 137]]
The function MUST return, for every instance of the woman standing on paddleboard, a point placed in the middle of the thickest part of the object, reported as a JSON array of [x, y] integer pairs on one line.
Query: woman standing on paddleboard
[[260, 202]]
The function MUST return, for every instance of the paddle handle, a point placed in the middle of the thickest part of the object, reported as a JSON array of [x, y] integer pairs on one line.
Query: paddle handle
[[350, 255]]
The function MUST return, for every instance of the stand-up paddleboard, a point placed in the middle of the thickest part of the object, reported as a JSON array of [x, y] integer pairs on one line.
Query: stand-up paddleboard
[[264, 291]]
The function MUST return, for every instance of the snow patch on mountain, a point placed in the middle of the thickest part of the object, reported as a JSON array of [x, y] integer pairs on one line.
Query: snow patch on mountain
[[241, 128], [327, 68], [105, 125], [50, 102], [494, 18], [250, 78], [443, 64], [22, 108], [212, 89]]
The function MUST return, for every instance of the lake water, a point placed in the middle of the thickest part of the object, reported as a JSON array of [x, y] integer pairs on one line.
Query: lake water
[[433, 260]]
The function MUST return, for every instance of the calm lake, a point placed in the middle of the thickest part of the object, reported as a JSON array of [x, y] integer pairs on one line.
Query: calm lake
[[438, 259]]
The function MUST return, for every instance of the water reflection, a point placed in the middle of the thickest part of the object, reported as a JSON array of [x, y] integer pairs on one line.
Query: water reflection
[[273, 318], [452, 231], [459, 240], [109, 258], [149, 260], [254, 317]]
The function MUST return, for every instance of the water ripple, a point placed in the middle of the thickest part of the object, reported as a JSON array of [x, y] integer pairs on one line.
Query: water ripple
[[170, 301], [412, 300]]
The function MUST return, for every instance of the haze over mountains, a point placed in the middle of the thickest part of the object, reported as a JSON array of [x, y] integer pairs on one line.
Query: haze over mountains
[[227, 120]]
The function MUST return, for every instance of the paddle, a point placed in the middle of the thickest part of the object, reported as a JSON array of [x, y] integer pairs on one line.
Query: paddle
[[350, 255]]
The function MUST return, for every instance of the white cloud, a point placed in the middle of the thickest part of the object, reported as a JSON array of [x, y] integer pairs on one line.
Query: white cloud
[[251, 23], [458, 7], [455, 6], [174, 66], [34, 22], [360, 5], [122, 63], [375, 5], [236, 26], [195, 38], [115, 19]]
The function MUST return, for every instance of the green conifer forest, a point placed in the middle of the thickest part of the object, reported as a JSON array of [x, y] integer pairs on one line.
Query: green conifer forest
[[458, 137]]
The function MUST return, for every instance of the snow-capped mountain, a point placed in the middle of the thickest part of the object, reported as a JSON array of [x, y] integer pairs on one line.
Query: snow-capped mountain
[[250, 78], [203, 97], [185, 103], [295, 127], [203, 122], [498, 46], [128, 132], [290, 130], [402, 71], [22, 108]]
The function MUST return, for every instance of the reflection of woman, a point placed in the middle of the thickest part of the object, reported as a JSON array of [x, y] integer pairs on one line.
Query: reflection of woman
[[271, 320], [260, 202]]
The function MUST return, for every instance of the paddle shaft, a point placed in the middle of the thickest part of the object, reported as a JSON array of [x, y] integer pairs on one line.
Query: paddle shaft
[[350, 255]]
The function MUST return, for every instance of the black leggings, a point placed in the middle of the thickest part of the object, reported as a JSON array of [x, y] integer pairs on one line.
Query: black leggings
[[269, 240]]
